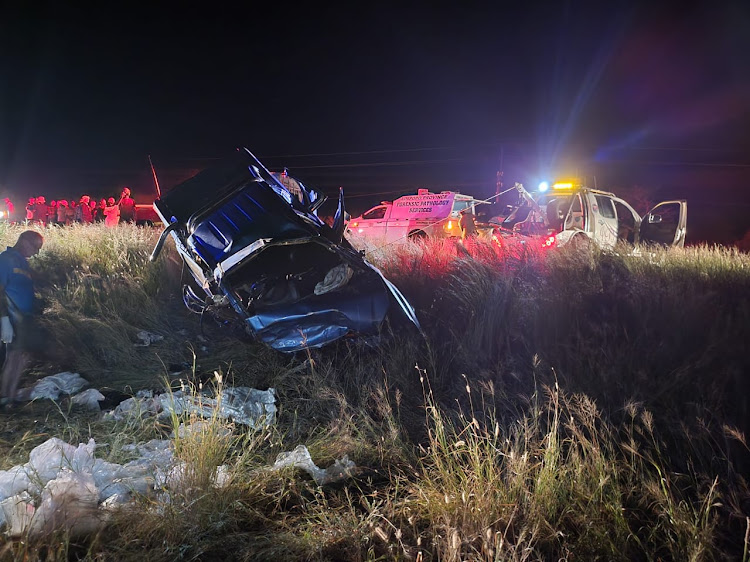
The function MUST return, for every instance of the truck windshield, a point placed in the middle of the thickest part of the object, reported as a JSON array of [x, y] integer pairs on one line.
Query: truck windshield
[[459, 205], [374, 214]]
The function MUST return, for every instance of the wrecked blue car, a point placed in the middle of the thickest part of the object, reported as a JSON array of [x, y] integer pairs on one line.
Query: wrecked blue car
[[253, 242]]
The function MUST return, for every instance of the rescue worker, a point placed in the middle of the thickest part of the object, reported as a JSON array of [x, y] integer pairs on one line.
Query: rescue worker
[[127, 206], [467, 224], [18, 329]]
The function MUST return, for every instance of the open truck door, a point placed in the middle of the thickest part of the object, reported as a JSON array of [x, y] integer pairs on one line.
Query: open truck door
[[665, 224]]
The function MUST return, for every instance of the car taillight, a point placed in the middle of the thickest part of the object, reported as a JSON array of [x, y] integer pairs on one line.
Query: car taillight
[[355, 224], [549, 242], [449, 225]]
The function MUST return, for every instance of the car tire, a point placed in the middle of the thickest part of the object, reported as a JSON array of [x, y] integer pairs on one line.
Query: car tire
[[581, 243]]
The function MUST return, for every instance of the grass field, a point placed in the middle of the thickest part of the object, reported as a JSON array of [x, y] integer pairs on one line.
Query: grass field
[[563, 405]]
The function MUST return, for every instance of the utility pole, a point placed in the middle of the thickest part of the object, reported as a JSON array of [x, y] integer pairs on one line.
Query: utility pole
[[499, 177]]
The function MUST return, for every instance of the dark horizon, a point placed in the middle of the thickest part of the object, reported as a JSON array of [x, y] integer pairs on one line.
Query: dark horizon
[[382, 101]]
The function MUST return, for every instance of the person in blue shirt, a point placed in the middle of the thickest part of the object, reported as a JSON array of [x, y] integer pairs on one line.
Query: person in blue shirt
[[17, 326]]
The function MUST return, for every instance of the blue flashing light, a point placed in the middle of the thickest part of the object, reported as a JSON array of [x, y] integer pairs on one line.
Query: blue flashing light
[[543, 186]]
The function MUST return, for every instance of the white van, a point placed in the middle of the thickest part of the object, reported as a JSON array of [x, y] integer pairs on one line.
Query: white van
[[414, 216]]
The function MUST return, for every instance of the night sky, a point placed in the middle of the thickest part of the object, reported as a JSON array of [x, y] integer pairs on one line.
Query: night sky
[[381, 101]]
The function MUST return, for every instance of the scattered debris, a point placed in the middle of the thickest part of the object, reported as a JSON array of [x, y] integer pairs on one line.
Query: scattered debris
[[53, 386], [243, 405], [88, 399], [142, 404], [300, 458], [147, 338], [63, 487]]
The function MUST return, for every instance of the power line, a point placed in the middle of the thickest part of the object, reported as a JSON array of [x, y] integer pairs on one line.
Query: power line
[[386, 164], [380, 151], [668, 163]]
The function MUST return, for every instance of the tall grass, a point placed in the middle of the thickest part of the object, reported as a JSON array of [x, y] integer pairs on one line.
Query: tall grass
[[580, 405], [560, 481]]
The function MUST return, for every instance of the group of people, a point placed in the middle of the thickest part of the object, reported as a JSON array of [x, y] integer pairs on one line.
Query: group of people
[[86, 210]]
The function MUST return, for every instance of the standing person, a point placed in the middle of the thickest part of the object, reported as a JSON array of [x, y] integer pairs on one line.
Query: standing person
[[52, 212], [111, 213], [70, 213], [62, 211], [40, 210], [78, 213], [30, 209], [94, 211], [18, 328], [10, 209], [127, 206], [467, 224], [102, 205], [85, 209]]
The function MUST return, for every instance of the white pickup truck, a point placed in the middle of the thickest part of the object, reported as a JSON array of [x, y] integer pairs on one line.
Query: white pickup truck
[[414, 216], [578, 214]]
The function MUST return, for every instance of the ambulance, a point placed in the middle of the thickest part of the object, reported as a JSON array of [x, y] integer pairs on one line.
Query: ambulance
[[414, 216]]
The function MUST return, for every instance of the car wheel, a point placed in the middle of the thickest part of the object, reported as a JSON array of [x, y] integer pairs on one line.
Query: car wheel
[[417, 235], [581, 243]]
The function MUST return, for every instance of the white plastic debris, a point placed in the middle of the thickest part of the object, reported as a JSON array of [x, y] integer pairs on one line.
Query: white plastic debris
[[147, 338], [201, 428], [17, 512], [69, 502], [88, 399], [247, 406], [68, 484], [53, 386], [47, 460], [65, 487], [300, 458], [137, 406], [13, 481]]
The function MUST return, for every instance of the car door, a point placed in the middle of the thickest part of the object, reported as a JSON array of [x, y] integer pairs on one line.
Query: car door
[[603, 220], [665, 224], [371, 224]]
